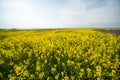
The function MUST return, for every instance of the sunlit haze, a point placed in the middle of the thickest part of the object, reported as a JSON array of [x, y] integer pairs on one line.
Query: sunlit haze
[[59, 13]]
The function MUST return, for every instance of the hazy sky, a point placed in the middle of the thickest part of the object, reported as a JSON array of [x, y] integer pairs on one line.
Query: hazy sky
[[59, 13]]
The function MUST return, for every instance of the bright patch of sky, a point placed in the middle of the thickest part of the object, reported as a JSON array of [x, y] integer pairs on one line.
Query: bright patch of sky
[[59, 13]]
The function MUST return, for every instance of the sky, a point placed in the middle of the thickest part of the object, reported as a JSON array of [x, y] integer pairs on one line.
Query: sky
[[59, 13]]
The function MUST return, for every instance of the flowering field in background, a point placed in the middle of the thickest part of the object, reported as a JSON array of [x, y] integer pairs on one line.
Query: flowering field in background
[[71, 54]]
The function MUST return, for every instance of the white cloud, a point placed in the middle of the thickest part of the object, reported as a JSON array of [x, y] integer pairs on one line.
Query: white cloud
[[76, 12], [43, 13]]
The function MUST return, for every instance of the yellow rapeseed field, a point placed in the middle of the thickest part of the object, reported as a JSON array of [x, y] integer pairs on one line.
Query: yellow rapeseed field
[[70, 54]]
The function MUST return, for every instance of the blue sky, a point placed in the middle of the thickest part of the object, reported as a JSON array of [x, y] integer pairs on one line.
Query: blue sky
[[59, 13]]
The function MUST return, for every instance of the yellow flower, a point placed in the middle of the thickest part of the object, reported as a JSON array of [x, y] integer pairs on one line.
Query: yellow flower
[[89, 74], [1, 62], [62, 73], [53, 70], [66, 78], [37, 68], [48, 78], [32, 76], [98, 79], [57, 76], [11, 77], [45, 61], [41, 75], [77, 50], [25, 73], [69, 62], [72, 78], [18, 69]]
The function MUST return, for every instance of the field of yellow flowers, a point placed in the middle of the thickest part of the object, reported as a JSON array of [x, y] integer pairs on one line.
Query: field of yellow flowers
[[70, 54]]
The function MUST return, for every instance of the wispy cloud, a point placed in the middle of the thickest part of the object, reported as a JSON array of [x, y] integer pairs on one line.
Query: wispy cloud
[[95, 4], [58, 13], [91, 12]]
